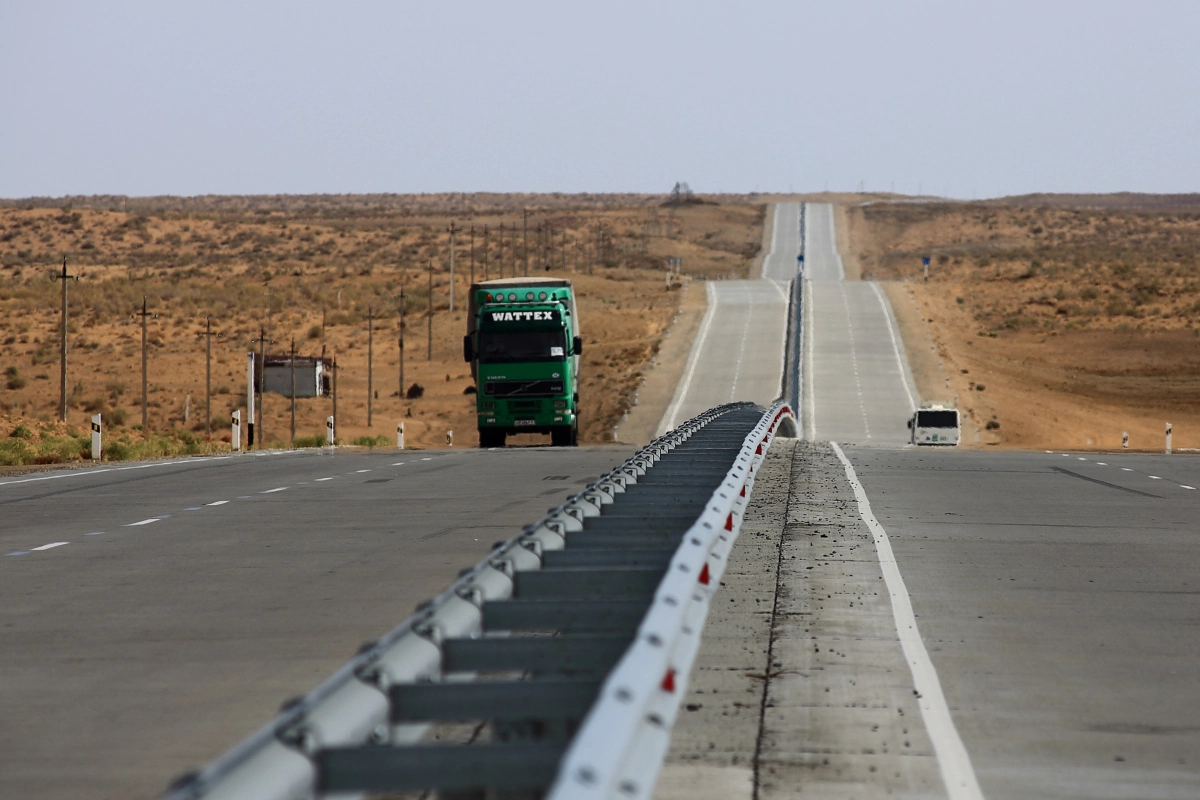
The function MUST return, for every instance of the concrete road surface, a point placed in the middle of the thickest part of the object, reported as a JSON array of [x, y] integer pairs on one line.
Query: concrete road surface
[[738, 352], [152, 615], [857, 385], [1059, 599]]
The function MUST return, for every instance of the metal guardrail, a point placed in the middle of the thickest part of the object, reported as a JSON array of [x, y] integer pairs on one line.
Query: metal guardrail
[[614, 582]]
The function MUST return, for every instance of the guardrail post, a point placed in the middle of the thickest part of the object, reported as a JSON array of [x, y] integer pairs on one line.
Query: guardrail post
[[96, 444]]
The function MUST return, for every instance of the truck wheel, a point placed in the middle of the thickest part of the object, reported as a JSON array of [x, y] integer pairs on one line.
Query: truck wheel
[[575, 435], [560, 437], [491, 438]]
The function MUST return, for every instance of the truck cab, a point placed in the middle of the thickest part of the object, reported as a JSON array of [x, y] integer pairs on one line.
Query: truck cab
[[523, 344], [934, 425]]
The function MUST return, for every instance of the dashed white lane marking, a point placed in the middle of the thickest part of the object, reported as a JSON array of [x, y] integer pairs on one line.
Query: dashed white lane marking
[[359, 471], [737, 365], [854, 364], [427, 459], [399, 464], [952, 756], [143, 522], [1123, 469], [325, 479], [218, 502], [94, 533], [18, 553], [1126, 469], [1154, 478], [273, 491], [1185, 486], [1081, 458], [193, 508], [48, 546], [1101, 464]]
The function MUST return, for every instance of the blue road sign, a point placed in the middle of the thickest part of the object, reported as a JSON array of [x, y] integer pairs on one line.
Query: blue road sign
[[925, 261], [800, 258]]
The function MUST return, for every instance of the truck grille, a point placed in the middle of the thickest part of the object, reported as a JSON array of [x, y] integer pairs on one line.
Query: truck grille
[[516, 406], [522, 388]]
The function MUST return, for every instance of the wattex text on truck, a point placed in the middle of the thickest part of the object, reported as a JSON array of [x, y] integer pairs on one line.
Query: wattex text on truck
[[523, 344]]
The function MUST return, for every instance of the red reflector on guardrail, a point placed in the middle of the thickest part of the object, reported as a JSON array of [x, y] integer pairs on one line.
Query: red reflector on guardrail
[[668, 682]]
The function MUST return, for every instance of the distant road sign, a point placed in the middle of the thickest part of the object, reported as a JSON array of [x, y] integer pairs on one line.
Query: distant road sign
[[800, 258], [925, 261]]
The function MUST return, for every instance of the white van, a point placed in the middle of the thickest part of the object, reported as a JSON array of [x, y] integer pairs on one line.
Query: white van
[[934, 425]]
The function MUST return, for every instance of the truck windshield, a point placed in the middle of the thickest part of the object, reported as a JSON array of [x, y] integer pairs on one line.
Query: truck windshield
[[937, 419], [511, 346]]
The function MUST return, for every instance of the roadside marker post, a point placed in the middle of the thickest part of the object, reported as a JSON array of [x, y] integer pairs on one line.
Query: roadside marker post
[[1168, 438], [250, 400], [399, 435], [235, 436], [1125, 440], [449, 438], [329, 431], [96, 442], [925, 264]]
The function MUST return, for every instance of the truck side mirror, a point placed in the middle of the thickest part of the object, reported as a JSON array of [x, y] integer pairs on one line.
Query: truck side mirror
[[468, 351], [910, 423], [577, 345]]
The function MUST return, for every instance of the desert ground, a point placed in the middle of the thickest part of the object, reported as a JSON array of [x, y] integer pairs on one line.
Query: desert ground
[[1056, 321], [311, 270]]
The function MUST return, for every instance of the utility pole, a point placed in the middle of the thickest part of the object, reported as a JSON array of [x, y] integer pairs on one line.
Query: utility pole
[[208, 334], [525, 239], [500, 257], [370, 361], [485, 252], [401, 395], [62, 361], [472, 261], [429, 354], [335, 416], [453, 230], [143, 314], [293, 366], [262, 379]]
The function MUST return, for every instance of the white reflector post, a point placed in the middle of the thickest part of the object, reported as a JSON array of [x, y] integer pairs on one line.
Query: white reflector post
[[96, 444], [449, 438], [249, 400], [1168, 438], [329, 431], [235, 438], [399, 435]]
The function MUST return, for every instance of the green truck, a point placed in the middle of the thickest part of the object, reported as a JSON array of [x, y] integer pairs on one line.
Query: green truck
[[523, 344]]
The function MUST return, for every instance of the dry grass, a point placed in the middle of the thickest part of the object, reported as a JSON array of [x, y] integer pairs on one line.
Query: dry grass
[[1080, 322], [310, 268]]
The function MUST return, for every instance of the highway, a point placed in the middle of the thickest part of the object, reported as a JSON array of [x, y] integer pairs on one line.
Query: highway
[[152, 615], [739, 350], [857, 386]]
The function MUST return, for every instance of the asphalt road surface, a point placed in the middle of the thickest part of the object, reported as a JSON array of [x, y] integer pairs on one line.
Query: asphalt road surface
[[152, 615], [1059, 599], [857, 386], [739, 350]]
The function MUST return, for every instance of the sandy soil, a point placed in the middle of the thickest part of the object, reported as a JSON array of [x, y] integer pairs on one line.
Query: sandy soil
[[663, 373], [1060, 325], [318, 268]]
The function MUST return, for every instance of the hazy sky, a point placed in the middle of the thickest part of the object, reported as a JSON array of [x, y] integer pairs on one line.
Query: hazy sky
[[962, 99]]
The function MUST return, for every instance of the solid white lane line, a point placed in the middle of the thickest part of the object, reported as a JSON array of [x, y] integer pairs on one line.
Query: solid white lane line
[[143, 522], [218, 502], [273, 491], [810, 369], [952, 756], [887, 314], [48, 546], [668, 420]]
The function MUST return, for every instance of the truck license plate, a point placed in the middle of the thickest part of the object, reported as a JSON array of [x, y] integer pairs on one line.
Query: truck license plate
[[521, 422]]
